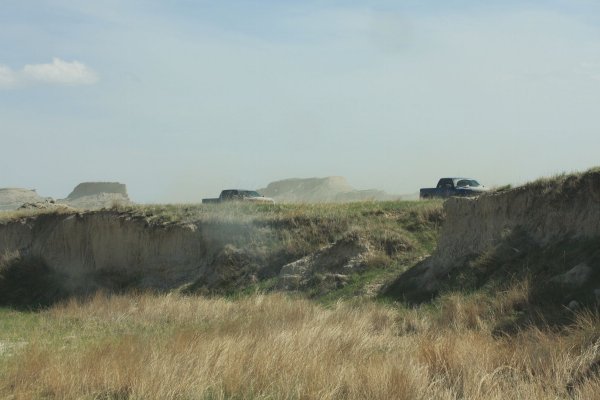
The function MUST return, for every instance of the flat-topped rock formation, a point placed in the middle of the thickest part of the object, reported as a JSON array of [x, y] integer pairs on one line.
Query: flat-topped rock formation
[[96, 195], [332, 189], [97, 188]]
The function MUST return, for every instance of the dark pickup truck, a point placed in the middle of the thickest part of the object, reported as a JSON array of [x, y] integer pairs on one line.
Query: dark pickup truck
[[239, 195], [448, 187]]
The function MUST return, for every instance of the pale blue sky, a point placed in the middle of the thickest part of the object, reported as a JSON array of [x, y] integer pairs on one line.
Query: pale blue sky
[[179, 99]]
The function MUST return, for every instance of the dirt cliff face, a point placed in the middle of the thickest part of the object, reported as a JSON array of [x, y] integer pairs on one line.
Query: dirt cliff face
[[547, 211], [111, 250], [114, 250], [542, 213], [90, 248], [213, 250]]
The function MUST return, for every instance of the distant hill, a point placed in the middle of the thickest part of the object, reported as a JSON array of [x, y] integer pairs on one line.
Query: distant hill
[[13, 198], [95, 195], [87, 195], [334, 189], [97, 188]]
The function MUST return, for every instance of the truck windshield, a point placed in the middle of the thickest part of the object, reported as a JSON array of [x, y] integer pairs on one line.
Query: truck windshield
[[250, 193], [467, 182]]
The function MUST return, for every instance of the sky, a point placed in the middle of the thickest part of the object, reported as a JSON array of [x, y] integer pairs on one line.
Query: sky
[[180, 99]]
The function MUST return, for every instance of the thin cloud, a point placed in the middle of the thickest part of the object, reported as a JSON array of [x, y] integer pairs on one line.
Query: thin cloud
[[7, 77], [58, 72]]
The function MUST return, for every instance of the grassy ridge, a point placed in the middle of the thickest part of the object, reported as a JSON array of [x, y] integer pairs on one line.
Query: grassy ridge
[[250, 243], [400, 232]]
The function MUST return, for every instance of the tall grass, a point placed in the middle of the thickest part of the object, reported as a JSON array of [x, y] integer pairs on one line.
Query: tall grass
[[277, 347]]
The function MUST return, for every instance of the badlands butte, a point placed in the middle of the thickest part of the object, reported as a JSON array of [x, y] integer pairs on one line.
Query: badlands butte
[[545, 233]]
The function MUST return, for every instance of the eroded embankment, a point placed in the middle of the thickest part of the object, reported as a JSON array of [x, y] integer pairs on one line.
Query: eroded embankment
[[78, 253], [88, 248], [554, 222], [214, 250]]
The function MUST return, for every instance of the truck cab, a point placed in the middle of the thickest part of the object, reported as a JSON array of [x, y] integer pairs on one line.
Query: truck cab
[[448, 187]]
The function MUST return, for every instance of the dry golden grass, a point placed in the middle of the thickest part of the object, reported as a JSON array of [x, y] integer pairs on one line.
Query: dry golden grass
[[277, 347], [7, 216]]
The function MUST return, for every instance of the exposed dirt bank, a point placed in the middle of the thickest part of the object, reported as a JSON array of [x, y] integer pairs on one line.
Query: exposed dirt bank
[[214, 249], [107, 249], [503, 228]]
